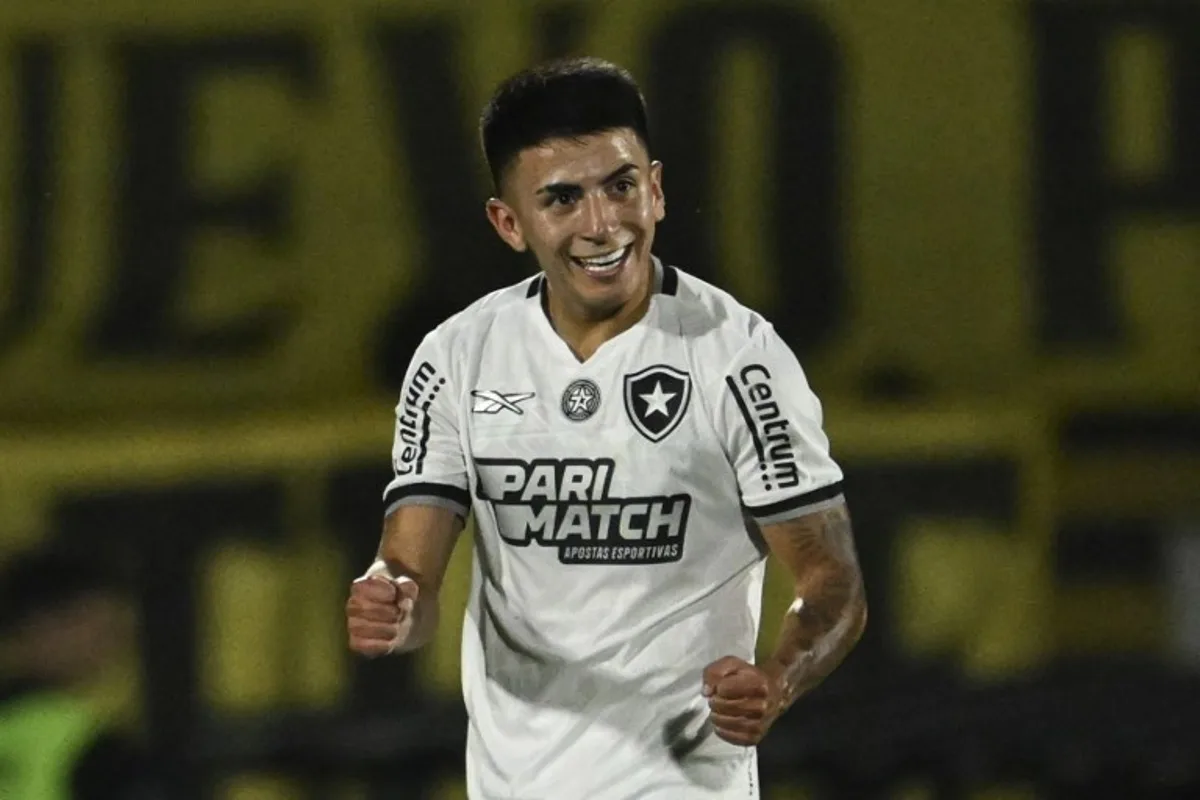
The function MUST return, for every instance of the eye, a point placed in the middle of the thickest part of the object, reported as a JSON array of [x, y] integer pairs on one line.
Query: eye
[[562, 199], [624, 186]]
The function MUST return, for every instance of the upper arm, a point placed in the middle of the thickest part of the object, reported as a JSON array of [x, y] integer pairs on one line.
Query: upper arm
[[770, 422], [428, 465], [427, 499]]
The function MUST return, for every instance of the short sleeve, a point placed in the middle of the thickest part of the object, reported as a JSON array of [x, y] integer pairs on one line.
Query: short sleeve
[[770, 421], [428, 467]]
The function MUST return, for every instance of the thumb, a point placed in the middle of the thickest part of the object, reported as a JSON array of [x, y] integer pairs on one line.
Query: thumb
[[714, 672], [407, 592]]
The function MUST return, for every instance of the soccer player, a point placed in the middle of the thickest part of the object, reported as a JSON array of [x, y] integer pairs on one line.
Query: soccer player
[[633, 443]]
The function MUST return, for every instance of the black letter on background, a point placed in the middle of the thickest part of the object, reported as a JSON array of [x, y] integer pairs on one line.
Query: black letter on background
[[805, 209], [159, 210], [38, 93], [463, 257], [1078, 201]]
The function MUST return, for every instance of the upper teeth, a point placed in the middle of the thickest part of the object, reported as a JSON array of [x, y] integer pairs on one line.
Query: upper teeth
[[604, 261]]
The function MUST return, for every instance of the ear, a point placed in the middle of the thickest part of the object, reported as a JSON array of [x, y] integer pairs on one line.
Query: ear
[[656, 191], [504, 220]]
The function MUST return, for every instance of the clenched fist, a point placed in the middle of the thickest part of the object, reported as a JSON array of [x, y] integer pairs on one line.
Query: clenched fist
[[743, 700], [379, 614]]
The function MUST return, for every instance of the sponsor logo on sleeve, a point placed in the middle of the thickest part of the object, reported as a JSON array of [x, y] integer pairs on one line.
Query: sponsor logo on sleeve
[[412, 419], [769, 428]]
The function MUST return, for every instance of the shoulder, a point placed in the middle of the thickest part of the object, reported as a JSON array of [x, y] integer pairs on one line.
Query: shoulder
[[715, 323], [464, 331]]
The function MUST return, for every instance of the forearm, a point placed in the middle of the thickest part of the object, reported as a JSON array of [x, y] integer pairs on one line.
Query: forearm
[[818, 633], [416, 544], [829, 612]]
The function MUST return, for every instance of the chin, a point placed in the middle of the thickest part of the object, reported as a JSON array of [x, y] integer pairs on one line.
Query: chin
[[615, 291], [604, 304]]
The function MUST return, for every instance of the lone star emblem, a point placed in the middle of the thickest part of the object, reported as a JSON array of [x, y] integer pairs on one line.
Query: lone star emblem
[[580, 400]]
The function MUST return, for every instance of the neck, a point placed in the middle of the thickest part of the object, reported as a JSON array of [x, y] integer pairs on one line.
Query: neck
[[584, 330]]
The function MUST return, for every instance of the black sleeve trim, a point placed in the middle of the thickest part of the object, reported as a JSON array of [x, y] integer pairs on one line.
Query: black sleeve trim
[[799, 501], [452, 493]]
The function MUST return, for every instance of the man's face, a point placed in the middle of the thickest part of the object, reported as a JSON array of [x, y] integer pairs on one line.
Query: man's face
[[587, 209]]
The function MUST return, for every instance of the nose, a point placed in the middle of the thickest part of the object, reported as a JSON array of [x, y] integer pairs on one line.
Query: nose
[[599, 221]]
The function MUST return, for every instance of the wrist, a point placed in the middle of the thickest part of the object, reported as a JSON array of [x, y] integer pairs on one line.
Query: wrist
[[380, 569], [781, 688]]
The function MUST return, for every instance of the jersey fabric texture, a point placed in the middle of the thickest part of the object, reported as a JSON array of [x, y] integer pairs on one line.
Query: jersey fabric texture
[[617, 503]]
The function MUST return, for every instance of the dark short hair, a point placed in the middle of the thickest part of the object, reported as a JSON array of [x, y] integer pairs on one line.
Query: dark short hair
[[51, 578], [567, 98]]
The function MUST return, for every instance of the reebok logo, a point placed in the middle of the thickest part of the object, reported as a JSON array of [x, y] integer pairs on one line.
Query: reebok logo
[[487, 401]]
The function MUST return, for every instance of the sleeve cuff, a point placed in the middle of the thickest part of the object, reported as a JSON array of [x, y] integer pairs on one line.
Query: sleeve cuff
[[440, 495], [797, 506]]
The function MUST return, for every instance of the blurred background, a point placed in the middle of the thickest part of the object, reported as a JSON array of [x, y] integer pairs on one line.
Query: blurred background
[[225, 225]]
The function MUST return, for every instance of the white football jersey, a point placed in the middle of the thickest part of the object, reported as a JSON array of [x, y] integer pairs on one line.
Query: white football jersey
[[615, 550]]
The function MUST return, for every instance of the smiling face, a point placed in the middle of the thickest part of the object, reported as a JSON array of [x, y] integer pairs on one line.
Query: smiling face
[[587, 209]]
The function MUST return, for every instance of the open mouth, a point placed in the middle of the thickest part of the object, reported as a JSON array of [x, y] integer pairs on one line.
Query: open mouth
[[604, 264]]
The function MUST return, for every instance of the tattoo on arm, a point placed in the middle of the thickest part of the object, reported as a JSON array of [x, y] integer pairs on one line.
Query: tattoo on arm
[[829, 613]]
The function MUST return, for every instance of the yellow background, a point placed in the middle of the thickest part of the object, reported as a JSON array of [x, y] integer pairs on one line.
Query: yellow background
[[937, 211]]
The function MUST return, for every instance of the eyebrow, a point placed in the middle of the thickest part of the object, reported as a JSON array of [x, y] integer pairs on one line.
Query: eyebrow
[[570, 188]]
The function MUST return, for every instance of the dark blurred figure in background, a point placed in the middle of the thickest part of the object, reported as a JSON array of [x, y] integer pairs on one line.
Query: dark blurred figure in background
[[63, 622]]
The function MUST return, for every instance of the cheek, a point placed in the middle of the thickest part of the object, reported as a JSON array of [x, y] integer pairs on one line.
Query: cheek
[[554, 237], [647, 212]]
